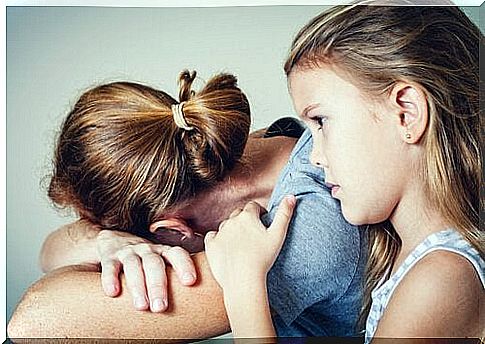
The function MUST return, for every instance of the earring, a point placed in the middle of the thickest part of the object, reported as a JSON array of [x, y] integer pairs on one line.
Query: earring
[[408, 136]]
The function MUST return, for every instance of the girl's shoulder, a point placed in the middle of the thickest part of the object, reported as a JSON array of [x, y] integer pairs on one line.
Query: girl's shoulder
[[441, 250], [439, 296], [444, 270], [444, 263]]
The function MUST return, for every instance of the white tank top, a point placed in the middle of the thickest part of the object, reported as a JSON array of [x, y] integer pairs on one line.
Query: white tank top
[[448, 240]]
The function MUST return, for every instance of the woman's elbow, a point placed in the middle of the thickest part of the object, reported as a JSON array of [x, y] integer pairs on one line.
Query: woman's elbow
[[26, 321], [46, 261], [45, 310]]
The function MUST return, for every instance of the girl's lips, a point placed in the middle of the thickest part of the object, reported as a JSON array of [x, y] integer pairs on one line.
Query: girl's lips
[[333, 187], [335, 190]]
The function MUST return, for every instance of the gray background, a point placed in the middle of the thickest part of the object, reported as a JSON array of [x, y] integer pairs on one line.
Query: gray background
[[55, 53]]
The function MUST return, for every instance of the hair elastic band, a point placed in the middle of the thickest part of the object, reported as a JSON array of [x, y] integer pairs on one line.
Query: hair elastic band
[[178, 116]]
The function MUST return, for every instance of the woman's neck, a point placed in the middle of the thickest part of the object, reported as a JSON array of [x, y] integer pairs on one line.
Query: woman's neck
[[252, 179]]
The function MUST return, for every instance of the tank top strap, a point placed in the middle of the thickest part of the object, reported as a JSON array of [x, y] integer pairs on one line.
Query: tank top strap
[[447, 240]]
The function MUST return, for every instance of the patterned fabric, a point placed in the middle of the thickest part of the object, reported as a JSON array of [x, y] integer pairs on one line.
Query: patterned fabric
[[448, 240]]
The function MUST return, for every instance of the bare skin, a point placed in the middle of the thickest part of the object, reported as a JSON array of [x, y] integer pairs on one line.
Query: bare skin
[[69, 302]]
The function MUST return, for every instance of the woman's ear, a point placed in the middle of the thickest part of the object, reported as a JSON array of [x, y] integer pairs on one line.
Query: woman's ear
[[180, 234], [173, 223], [411, 105]]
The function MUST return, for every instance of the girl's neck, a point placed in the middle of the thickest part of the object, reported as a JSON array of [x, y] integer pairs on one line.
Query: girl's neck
[[414, 219], [253, 179]]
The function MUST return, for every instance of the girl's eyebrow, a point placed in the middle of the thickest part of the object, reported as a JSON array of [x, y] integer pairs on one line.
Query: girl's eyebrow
[[307, 109]]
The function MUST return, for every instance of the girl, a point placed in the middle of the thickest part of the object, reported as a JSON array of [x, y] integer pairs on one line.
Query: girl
[[391, 95]]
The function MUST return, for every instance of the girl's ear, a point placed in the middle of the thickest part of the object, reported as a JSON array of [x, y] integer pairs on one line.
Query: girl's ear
[[411, 106]]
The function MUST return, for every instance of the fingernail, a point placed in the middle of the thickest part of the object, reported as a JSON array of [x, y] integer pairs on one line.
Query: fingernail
[[140, 303], [291, 199], [158, 305], [188, 277], [111, 289]]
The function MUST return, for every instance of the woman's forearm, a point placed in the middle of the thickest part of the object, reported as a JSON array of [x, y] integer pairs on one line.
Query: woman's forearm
[[71, 244], [248, 310]]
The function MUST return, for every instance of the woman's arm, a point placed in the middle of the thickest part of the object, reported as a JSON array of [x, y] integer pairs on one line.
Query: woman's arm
[[69, 303], [72, 244], [143, 262]]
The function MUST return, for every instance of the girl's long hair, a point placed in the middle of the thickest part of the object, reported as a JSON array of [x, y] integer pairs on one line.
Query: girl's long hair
[[437, 48]]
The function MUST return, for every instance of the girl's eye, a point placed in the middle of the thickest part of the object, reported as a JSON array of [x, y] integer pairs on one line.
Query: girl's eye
[[320, 120]]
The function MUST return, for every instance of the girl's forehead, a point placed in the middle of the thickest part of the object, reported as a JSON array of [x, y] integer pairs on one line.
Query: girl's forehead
[[321, 78], [322, 85]]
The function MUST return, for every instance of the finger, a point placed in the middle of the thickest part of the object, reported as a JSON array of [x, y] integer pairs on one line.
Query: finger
[[159, 248], [254, 208], [110, 273], [135, 280], [182, 264], [235, 212], [209, 236], [283, 216], [221, 225], [156, 281]]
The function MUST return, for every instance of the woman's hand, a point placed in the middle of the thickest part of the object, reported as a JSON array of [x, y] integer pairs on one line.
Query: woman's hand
[[144, 268], [243, 250]]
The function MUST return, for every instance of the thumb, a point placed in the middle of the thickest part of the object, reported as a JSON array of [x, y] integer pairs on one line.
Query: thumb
[[283, 216]]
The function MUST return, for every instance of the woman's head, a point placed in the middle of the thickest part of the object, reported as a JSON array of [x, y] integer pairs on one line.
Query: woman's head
[[122, 161], [415, 70]]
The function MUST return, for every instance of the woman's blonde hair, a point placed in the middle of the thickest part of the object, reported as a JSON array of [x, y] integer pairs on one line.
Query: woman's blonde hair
[[437, 48], [121, 160]]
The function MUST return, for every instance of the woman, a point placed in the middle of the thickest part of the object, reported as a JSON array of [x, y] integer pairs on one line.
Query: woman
[[320, 246], [391, 95], [128, 160]]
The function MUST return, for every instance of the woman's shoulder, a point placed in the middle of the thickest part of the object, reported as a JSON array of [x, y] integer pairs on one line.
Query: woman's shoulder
[[285, 126], [282, 127]]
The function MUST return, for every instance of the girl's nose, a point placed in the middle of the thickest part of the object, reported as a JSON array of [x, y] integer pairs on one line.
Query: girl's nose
[[315, 162], [317, 158]]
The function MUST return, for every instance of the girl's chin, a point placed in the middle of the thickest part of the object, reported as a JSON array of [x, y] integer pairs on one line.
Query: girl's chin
[[360, 217], [354, 216]]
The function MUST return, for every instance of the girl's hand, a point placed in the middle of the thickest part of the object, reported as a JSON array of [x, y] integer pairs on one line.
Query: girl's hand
[[243, 250], [143, 266]]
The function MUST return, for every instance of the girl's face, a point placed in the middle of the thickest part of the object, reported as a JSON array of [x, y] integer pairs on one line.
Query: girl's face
[[356, 142]]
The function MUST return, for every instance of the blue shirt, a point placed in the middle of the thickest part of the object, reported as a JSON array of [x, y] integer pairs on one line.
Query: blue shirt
[[316, 284]]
